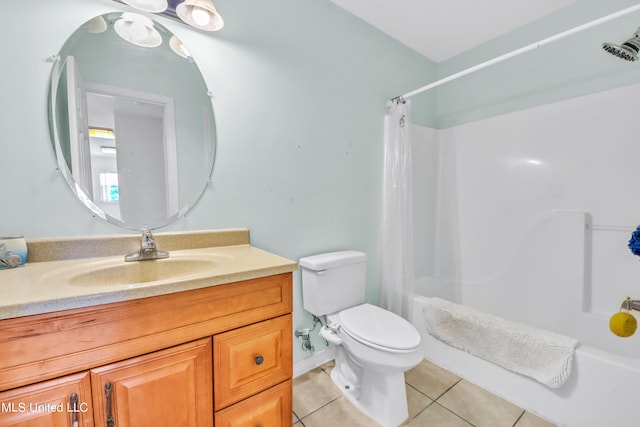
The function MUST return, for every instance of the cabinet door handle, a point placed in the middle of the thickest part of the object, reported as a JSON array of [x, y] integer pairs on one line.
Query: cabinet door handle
[[259, 360], [73, 402], [108, 391]]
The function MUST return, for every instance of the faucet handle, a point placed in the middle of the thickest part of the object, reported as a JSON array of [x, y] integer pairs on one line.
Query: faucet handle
[[147, 240], [148, 248]]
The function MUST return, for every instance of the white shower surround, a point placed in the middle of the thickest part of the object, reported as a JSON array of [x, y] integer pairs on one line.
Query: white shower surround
[[528, 219]]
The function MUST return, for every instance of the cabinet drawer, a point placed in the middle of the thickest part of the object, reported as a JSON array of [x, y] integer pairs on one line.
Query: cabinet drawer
[[49, 403], [271, 408], [251, 359]]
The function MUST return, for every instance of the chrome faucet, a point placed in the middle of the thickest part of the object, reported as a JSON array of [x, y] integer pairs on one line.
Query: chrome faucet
[[148, 249], [630, 304]]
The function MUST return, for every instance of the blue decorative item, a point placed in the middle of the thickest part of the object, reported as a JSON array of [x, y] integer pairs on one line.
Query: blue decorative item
[[634, 242], [13, 251]]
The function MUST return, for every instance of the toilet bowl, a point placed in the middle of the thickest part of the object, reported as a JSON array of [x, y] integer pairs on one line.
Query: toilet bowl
[[374, 347], [376, 337]]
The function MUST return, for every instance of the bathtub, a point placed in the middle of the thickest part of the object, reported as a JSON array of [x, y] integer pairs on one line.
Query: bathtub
[[560, 292]]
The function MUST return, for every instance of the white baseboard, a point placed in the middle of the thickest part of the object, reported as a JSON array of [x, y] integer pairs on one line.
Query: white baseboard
[[313, 361]]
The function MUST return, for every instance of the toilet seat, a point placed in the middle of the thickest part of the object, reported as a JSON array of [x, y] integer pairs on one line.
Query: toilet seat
[[379, 328]]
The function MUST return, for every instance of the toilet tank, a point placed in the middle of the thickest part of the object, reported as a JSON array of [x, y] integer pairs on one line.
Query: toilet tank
[[333, 281]]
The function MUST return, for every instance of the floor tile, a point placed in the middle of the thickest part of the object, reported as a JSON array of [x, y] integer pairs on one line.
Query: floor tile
[[435, 397], [313, 390], [530, 420], [437, 416], [430, 379], [338, 413], [416, 401], [480, 407]]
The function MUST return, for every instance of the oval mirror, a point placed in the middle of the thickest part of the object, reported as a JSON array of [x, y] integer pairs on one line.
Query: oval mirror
[[131, 121]]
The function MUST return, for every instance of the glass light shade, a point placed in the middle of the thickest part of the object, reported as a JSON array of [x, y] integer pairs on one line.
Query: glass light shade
[[178, 47], [200, 14], [155, 6], [96, 25], [137, 29]]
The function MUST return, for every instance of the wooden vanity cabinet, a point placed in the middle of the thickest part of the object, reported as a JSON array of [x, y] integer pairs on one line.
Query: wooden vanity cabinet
[[160, 357]]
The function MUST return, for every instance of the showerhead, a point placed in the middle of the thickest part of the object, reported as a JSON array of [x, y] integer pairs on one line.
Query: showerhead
[[627, 50]]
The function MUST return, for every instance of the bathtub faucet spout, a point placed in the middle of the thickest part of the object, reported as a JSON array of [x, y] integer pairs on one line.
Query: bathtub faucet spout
[[630, 304]]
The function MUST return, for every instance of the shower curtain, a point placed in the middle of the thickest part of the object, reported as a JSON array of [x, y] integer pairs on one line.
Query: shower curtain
[[397, 216]]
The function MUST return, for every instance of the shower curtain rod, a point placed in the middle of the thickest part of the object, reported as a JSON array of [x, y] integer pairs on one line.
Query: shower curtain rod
[[520, 51]]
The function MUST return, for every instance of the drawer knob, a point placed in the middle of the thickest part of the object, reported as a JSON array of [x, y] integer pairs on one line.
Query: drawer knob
[[259, 360]]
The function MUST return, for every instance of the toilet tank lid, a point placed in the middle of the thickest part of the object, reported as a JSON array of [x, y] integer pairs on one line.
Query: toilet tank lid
[[332, 260]]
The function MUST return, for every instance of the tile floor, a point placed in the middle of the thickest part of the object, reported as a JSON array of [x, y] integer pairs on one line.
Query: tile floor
[[436, 398]]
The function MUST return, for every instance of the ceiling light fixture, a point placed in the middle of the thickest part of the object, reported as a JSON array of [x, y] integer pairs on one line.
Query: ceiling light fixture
[[155, 6], [200, 14], [137, 29]]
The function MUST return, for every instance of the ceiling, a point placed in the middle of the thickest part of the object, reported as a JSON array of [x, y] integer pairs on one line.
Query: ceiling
[[440, 29]]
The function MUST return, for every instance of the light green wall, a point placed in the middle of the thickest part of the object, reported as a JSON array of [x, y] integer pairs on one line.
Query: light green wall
[[300, 90], [567, 68]]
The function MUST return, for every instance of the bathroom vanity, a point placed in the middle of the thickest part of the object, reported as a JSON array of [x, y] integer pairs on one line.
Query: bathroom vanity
[[210, 348]]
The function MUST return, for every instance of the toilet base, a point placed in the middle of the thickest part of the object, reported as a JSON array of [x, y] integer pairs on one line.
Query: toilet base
[[382, 397]]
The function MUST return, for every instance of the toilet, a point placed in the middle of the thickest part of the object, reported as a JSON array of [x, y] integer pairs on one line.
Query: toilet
[[374, 347]]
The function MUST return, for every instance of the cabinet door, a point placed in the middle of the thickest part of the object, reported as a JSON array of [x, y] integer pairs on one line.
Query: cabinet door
[[251, 359], [49, 403], [171, 387], [271, 408]]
